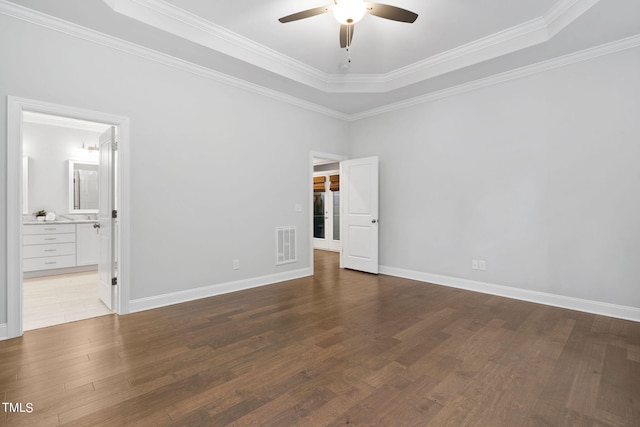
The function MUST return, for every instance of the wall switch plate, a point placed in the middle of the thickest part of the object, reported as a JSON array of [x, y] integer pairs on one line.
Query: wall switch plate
[[482, 265], [236, 264], [297, 207], [474, 264]]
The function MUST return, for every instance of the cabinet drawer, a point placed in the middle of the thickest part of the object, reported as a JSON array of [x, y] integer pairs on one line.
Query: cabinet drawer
[[36, 251], [48, 228], [46, 263], [44, 239]]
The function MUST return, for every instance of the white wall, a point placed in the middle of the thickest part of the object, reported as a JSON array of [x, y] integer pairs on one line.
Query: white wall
[[49, 149], [538, 176], [214, 169]]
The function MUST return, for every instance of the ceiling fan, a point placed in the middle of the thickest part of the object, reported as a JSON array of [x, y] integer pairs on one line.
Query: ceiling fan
[[348, 12]]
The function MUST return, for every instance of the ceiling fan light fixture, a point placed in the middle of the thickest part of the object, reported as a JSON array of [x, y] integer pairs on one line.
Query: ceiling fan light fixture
[[348, 12]]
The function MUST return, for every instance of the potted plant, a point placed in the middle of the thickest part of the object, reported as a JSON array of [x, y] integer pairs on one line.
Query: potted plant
[[40, 215]]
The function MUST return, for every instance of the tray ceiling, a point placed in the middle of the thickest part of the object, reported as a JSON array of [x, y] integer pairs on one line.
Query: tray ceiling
[[379, 46], [452, 42]]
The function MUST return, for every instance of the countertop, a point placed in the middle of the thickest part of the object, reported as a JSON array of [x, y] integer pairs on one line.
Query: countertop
[[60, 219]]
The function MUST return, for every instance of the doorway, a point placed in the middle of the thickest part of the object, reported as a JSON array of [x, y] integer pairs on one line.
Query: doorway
[[60, 219], [358, 210], [326, 207], [60, 232], [323, 164]]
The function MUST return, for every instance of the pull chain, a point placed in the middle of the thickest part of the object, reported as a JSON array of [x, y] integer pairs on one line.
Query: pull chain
[[349, 44]]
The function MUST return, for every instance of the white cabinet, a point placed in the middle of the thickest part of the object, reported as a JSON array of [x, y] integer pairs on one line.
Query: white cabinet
[[48, 246], [87, 244]]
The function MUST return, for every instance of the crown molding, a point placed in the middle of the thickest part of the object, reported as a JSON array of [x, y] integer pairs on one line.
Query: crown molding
[[504, 42], [527, 34], [75, 30], [564, 13], [561, 61], [182, 23]]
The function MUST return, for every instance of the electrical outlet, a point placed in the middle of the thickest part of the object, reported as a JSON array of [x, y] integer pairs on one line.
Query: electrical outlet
[[482, 265], [236, 264], [474, 264]]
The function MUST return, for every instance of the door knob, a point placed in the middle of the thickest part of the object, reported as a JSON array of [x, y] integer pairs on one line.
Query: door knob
[[373, 221]]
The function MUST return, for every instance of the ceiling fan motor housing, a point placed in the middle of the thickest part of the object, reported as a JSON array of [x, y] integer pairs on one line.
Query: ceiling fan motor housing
[[348, 12]]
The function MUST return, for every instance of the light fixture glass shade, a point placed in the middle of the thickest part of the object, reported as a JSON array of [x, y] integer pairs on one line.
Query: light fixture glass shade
[[349, 12]]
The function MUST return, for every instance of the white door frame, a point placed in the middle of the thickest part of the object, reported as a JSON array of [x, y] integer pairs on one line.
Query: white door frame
[[312, 155], [15, 108]]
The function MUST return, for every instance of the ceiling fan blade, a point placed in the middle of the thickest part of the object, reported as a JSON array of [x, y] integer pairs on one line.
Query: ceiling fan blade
[[391, 12], [304, 14], [346, 35]]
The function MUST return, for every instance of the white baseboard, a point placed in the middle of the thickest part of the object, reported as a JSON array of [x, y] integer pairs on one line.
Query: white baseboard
[[4, 332], [588, 306], [164, 300]]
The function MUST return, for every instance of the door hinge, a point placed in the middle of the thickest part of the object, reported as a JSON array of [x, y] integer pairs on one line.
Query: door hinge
[[114, 214], [114, 281], [114, 146]]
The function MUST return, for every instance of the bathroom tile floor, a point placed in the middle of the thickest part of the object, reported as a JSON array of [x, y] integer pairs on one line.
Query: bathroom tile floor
[[52, 300]]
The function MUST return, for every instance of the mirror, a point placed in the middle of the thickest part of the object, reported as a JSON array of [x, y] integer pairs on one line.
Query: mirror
[[83, 187]]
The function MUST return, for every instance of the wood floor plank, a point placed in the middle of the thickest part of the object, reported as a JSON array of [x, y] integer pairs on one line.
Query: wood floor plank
[[617, 388], [338, 348], [458, 411]]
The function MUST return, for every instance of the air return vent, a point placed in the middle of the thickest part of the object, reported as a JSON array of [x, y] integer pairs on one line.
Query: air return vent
[[286, 248]]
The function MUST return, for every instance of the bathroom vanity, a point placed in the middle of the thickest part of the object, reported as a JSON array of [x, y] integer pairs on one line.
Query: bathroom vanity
[[62, 246]]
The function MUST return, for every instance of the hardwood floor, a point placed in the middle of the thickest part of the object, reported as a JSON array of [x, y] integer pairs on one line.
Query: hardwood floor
[[339, 348]]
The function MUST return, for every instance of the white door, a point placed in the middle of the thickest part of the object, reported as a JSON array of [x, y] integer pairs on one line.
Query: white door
[[106, 205], [359, 198]]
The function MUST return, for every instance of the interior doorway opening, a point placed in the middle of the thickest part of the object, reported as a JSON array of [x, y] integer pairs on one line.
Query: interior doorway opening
[[61, 219], [324, 164], [17, 192], [326, 205]]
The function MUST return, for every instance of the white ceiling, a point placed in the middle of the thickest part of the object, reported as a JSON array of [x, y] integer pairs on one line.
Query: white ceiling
[[453, 42], [379, 45]]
